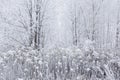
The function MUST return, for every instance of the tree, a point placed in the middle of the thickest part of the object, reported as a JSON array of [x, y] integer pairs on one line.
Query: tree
[[117, 28], [37, 26], [95, 12], [30, 12], [75, 23], [32, 19]]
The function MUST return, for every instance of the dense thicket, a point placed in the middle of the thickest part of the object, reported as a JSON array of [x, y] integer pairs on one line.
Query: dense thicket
[[59, 64]]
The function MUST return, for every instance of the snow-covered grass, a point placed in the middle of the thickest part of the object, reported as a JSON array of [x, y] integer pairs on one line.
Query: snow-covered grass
[[59, 64]]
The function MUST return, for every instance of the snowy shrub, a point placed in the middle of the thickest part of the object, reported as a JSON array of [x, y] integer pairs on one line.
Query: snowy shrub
[[58, 64]]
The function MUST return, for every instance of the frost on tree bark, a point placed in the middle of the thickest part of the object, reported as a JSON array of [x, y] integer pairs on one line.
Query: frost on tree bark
[[36, 40], [31, 22], [75, 38], [75, 15], [117, 28], [36, 16], [95, 21]]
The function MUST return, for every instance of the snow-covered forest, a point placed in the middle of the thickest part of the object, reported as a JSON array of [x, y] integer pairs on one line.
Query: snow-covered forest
[[59, 39]]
